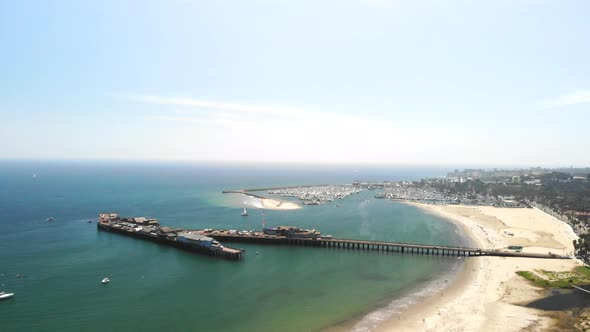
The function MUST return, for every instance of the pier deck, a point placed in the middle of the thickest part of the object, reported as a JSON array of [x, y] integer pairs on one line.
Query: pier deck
[[167, 239], [382, 246]]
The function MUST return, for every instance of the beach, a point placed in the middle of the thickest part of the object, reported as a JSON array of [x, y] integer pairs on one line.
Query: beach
[[487, 294], [275, 204]]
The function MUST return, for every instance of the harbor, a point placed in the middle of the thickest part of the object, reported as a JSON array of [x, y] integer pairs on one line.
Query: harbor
[[150, 229], [307, 194], [76, 257]]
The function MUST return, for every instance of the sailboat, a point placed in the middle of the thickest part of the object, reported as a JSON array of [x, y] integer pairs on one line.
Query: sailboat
[[244, 213]]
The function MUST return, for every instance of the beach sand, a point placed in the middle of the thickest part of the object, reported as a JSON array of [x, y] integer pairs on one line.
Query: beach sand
[[486, 296], [274, 204]]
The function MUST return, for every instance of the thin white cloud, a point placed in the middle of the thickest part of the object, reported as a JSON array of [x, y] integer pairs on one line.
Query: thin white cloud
[[217, 130], [578, 97], [222, 106], [219, 111]]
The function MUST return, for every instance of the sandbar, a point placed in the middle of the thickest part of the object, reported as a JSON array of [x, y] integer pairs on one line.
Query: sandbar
[[274, 204]]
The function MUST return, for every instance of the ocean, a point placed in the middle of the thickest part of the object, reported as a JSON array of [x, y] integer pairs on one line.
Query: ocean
[[154, 287]]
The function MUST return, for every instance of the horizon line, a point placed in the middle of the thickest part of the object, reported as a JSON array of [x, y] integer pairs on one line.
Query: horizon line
[[457, 165]]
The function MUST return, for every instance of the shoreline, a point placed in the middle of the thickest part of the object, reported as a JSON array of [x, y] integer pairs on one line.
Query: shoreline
[[422, 298], [393, 308], [269, 203], [488, 295], [275, 204]]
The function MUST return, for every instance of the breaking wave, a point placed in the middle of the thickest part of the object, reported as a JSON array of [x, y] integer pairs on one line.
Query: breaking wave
[[370, 321]]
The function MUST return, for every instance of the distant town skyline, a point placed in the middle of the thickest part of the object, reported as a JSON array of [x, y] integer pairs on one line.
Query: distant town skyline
[[496, 83]]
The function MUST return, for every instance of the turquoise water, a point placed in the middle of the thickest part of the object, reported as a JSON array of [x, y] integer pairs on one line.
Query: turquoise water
[[155, 287]]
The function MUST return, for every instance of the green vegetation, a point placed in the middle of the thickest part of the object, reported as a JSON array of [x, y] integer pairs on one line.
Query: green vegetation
[[579, 276], [582, 246], [560, 189]]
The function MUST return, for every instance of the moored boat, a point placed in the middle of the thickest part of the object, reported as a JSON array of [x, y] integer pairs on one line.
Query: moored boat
[[244, 213]]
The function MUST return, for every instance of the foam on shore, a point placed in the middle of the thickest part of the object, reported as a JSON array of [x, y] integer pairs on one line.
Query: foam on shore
[[398, 306]]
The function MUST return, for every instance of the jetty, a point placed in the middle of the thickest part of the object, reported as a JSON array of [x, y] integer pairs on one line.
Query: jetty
[[308, 194], [245, 191], [297, 237], [150, 229]]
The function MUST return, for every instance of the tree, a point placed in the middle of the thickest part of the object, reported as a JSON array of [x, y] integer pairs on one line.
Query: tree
[[582, 246]]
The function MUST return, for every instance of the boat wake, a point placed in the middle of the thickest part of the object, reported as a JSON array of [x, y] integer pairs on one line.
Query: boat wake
[[396, 307]]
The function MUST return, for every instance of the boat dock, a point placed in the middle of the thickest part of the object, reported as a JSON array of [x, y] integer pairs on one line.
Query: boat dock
[[381, 246], [150, 229]]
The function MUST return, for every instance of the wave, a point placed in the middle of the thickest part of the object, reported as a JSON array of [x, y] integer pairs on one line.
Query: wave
[[370, 321]]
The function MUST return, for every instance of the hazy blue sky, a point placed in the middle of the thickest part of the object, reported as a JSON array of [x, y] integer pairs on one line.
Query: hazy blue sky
[[411, 82]]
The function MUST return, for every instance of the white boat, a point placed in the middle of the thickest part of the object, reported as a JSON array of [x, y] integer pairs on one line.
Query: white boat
[[4, 295], [106, 280], [244, 213]]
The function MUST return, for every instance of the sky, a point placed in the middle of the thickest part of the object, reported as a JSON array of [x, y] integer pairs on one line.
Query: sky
[[421, 82]]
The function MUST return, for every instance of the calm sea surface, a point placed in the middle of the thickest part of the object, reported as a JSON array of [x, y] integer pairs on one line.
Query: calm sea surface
[[155, 288]]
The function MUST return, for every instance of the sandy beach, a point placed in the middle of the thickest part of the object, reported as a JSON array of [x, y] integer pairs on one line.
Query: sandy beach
[[274, 204], [262, 202], [486, 295]]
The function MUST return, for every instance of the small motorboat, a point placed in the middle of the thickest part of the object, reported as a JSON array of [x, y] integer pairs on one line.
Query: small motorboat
[[89, 221], [244, 213], [4, 295], [49, 219], [105, 280]]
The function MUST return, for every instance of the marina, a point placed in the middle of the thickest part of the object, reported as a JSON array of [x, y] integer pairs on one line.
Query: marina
[[307, 194]]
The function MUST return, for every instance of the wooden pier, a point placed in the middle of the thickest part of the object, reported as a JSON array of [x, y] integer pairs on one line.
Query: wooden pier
[[380, 246], [225, 252]]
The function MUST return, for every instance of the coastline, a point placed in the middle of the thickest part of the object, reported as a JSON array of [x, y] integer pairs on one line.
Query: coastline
[[275, 204], [488, 295], [262, 202]]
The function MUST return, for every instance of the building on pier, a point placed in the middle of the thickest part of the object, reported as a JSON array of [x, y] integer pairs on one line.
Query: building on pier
[[140, 227], [292, 232]]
